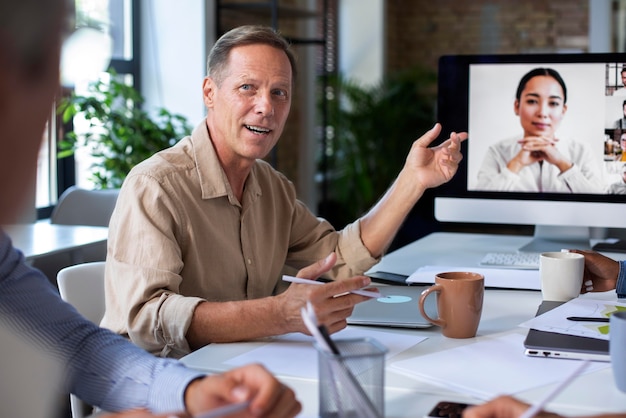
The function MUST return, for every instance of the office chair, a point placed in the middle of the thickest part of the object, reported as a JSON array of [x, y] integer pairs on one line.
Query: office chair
[[82, 285], [77, 206]]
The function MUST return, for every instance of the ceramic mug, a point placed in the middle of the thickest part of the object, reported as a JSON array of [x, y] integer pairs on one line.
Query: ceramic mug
[[459, 303], [561, 275]]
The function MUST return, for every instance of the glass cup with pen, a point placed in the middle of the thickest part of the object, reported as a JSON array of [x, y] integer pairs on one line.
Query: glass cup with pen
[[351, 373]]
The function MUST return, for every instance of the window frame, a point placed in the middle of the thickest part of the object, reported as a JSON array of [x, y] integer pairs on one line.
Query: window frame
[[63, 170]]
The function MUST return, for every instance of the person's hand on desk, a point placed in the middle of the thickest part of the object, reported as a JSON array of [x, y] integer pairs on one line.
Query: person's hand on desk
[[266, 395], [600, 272], [332, 302], [509, 407]]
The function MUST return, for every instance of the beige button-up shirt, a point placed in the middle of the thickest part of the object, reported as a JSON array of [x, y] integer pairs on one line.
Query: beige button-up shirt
[[179, 236]]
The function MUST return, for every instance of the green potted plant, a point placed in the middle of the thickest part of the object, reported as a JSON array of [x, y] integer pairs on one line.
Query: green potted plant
[[372, 129], [120, 133]]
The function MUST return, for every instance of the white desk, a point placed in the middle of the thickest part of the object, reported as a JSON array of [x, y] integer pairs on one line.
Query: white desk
[[452, 249], [503, 311], [41, 238]]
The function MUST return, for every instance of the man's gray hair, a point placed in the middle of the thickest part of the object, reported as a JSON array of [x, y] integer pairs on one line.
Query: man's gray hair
[[245, 35]]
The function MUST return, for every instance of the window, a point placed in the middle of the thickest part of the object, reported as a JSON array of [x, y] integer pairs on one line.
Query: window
[[119, 19]]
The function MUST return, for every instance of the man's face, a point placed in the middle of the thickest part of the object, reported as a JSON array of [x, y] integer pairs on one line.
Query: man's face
[[624, 78], [248, 110]]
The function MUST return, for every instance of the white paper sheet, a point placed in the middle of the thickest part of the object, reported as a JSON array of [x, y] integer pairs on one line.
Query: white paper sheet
[[464, 368], [503, 278], [294, 354], [555, 320]]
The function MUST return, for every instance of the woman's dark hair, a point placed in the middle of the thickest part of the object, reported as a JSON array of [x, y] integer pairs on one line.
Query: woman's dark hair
[[541, 72]]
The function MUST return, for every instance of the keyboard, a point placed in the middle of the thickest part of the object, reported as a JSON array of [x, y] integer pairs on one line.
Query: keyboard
[[514, 260]]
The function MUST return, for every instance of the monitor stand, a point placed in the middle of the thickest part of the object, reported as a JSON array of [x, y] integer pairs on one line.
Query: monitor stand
[[555, 238]]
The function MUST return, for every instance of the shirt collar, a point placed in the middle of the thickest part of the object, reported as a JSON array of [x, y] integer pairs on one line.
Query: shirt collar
[[213, 180]]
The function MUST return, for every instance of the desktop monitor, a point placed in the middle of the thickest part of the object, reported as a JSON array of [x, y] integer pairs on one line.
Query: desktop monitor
[[477, 94]]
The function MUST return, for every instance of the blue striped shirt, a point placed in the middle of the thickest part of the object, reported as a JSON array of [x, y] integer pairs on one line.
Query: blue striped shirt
[[102, 368]]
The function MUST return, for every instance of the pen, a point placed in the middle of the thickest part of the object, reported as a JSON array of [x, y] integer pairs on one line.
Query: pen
[[367, 293], [224, 410], [587, 319], [533, 410], [329, 341]]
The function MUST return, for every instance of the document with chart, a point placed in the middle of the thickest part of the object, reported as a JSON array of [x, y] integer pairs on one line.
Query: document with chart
[[556, 320]]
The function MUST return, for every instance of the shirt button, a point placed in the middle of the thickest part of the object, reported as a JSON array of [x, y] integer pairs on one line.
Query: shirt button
[[249, 261]]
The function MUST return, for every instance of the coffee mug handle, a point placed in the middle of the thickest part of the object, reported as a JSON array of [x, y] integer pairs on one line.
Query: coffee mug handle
[[434, 288]]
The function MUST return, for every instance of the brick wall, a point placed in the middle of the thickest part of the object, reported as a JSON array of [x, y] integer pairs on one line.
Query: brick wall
[[418, 32]]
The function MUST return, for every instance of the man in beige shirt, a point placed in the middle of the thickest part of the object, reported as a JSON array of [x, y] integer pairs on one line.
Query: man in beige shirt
[[203, 231]]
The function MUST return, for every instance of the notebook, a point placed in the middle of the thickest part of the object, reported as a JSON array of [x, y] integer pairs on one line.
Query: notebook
[[398, 309], [554, 345]]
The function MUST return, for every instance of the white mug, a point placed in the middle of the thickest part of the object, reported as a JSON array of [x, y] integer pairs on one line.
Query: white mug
[[561, 275]]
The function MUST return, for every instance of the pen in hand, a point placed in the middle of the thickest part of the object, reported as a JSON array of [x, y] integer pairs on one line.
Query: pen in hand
[[299, 280]]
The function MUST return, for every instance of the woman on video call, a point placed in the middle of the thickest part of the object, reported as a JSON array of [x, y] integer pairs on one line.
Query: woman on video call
[[540, 161]]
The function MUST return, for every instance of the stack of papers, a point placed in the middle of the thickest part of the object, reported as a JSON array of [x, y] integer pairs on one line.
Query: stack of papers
[[294, 354], [464, 368], [502, 278]]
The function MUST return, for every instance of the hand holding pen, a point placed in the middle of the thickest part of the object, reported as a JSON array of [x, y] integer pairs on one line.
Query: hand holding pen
[[367, 293], [333, 301]]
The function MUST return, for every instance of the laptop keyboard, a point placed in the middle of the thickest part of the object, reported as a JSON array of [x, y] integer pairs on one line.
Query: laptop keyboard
[[514, 260]]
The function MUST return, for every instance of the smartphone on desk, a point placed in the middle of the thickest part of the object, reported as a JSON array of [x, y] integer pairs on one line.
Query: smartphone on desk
[[448, 409]]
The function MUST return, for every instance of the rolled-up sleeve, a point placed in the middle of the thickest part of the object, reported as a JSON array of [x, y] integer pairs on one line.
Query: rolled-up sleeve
[[143, 268], [314, 238]]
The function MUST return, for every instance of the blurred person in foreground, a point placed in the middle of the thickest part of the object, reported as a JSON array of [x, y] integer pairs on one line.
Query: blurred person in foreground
[[99, 366]]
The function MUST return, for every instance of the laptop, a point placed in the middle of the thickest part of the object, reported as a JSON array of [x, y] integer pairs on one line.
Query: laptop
[[398, 309], [554, 345]]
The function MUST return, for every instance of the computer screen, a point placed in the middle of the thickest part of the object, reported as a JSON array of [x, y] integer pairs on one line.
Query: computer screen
[[546, 146]]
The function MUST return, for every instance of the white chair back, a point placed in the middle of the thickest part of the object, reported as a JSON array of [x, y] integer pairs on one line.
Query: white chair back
[[78, 206], [82, 285]]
